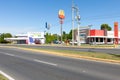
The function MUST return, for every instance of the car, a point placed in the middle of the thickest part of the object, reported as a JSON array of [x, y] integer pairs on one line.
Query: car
[[56, 42], [75, 42]]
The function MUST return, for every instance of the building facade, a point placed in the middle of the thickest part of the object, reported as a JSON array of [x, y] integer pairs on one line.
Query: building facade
[[94, 36], [28, 38]]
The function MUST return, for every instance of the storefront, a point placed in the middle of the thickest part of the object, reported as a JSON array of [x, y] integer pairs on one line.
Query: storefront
[[28, 38], [94, 36]]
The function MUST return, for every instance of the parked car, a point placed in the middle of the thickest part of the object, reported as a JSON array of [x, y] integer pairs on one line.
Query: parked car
[[56, 42], [75, 42]]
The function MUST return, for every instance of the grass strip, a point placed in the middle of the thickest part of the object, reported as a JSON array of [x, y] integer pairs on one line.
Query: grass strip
[[88, 54], [2, 77], [79, 54]]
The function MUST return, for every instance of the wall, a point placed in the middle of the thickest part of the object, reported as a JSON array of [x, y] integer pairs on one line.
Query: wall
[[96, 32]]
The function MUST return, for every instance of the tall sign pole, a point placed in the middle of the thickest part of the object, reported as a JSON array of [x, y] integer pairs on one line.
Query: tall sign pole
[[61, 16], [116, 32]]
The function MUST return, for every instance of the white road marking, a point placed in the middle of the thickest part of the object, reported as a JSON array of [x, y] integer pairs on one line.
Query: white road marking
[[9, 54], [36, 60], [7, 76]]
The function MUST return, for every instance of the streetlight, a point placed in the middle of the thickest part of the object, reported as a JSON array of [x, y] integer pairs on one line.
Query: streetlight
[[74, 8], [72, 23], [78, 21], [79, 34]]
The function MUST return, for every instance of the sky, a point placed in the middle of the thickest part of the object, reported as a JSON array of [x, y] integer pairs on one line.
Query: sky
[[21, 16]]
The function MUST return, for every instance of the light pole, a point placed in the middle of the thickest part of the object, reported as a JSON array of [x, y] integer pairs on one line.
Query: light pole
[[79, 34], [75, 8], [72, 23], [78, 21]]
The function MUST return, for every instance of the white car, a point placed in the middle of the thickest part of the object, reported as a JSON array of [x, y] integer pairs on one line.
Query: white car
[[75, 42]]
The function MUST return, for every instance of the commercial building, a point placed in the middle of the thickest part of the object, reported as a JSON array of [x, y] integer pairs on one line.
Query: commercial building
[[28, 38], [93, 36], [103, 37]]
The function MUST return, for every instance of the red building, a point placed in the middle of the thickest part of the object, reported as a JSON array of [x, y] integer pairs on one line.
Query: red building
[[99, 36]]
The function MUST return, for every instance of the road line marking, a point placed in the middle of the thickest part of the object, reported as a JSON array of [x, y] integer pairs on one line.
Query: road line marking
[[45, 62], [9, 54], [7, 76]]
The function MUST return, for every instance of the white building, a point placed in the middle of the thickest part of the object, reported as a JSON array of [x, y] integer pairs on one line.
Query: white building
[[28, 38]]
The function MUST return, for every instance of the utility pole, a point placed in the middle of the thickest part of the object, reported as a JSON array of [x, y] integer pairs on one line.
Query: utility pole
[[78, 22], [74, 8], [72, 22]]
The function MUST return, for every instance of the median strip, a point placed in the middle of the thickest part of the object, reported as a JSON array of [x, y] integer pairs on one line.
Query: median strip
[[5, 76], [113, 58], [85, 55]]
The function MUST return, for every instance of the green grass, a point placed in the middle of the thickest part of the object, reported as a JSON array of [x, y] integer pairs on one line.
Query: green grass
[[88, 54], [2, 77]]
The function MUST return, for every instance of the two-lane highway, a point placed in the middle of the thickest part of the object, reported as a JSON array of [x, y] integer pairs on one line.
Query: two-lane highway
[[27, 65]]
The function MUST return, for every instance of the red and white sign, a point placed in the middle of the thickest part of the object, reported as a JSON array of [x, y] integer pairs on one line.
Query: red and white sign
[[61, 14]]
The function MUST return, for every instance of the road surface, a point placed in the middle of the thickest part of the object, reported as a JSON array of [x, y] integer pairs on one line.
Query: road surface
[[27, 65], [103, 50]]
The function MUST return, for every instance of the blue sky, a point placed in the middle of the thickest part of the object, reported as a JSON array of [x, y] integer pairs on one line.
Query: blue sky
[[20, 16]]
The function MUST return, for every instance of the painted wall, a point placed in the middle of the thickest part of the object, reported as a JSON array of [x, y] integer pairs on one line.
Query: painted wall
[[96, 32], [110, 34]]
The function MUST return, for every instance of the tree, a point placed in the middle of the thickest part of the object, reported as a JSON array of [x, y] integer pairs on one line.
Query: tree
[[4, 35], [50, 38], [47, 36], [7, 35], [106, 26], [70, 35], [64, 36]]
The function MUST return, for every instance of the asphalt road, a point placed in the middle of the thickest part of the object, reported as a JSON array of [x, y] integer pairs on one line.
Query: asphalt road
[[103, 50], [27, 65]]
